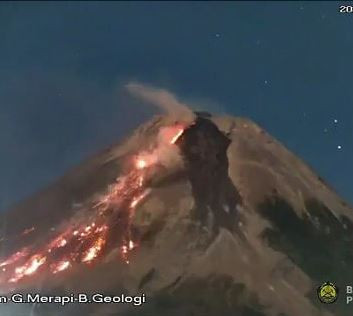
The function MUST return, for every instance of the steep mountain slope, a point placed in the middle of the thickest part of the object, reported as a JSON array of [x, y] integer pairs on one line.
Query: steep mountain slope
[[209, 217]]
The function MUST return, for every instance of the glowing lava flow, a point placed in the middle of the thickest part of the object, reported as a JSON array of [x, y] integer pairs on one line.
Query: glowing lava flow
[[177, 135], [61, 266], [93, 252], [145, 160], [85, 239], [28, 268], [136, 200], [125, 250], [141, 163], [57, 243], [15, 257]]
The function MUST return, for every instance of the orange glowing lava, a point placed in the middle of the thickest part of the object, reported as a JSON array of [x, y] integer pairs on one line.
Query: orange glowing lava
[[170, 134], [57, 243], [61, 266], [93, 252], [177, 135], [136, 200], [145, 160], [86, 238], [28, 268], [141, 163], [15, 257], [131, 245]]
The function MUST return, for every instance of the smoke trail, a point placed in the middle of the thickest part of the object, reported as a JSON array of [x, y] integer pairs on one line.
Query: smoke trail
[[162, 99]]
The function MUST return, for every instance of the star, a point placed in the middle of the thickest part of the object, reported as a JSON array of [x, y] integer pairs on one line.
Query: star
[[218, 35], [339, 147], [335, 121], [266, 82]]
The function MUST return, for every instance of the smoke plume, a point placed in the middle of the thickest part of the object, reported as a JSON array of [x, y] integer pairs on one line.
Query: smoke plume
[[162, 99]]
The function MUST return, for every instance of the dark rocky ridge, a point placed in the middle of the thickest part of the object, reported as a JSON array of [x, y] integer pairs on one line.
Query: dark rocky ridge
[[204, 148]]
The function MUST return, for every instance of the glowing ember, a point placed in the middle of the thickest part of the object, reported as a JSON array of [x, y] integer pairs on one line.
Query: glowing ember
[[131, 245], [61, 266], [93, 252], [34, 264], [62, 243], [136, 200], [85, 232], [57, 243], [140, 181], [29, 268], [134, 203], [141, 163], [125, 250], [145, 160], [15, 257], [14, 279], [101, 229], [177, 135], [28, 231]]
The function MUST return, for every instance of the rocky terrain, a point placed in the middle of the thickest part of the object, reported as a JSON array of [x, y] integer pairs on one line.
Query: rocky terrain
[[226, 221]]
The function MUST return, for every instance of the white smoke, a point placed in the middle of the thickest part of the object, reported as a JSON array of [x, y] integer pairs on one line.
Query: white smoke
[[162, 99]]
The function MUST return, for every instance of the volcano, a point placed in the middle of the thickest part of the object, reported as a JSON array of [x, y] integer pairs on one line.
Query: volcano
[[205, 218]]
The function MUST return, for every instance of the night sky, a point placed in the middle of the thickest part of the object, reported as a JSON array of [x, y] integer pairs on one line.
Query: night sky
[[288, 66]]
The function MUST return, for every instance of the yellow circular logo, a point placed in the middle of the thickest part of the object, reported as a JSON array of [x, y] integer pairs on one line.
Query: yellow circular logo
[[327, 293]]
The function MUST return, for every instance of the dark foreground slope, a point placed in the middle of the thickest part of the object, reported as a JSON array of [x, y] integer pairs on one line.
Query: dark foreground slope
[[239, 227]]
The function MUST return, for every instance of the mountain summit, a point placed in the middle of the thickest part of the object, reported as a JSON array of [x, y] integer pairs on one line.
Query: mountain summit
[[206, 216]]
